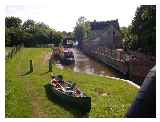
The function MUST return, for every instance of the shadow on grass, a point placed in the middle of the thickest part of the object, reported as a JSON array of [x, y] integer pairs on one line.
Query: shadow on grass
[[75, 111], [45, 73], [27, 73]]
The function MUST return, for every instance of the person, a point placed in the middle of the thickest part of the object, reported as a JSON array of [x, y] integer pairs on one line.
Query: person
[[144, 105]]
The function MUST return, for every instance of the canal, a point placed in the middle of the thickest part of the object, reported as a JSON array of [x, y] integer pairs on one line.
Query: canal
[[88, 65]]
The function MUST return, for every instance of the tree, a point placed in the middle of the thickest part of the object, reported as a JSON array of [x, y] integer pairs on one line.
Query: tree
[[29, 26], [8, 40], [57, 38], [13, 32], [13, 36], [12, 22], [39, 33], [141, 34], [79, 33], [82, 30], [127, 37], [144, 29], [30, 33], [41, 25]]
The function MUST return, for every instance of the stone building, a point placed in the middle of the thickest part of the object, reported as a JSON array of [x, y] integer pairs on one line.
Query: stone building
[[105, 34]]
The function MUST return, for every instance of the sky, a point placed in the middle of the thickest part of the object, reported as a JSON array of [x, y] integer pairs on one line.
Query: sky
[[63, 14]]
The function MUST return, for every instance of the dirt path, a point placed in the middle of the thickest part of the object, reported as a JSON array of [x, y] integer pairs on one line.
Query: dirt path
[[35, 101], [46, 57]]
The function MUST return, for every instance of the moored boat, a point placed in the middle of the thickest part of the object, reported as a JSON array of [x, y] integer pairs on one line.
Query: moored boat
[[67, 56], [69, 94]]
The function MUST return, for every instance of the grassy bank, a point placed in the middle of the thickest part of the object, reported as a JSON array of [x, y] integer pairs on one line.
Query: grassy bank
[[26, 95]]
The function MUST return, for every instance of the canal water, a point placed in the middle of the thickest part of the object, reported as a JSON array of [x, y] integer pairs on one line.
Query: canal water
[[88, 65]]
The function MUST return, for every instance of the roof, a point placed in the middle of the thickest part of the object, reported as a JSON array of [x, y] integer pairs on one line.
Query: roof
[[98, 25]]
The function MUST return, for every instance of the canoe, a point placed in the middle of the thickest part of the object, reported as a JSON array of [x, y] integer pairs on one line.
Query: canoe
[[81, 102]]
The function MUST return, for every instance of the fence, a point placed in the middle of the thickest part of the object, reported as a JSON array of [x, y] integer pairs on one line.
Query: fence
[[12, 52]]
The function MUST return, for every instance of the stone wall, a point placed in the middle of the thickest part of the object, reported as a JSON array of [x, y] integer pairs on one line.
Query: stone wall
[[135, 65], [113, 58], [140, 65]]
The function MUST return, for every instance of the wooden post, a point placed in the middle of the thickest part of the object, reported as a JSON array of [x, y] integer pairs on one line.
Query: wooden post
[[50, 66], [31, 65]]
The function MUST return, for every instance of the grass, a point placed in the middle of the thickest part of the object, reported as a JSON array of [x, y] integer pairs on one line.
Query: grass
[[26, 95]]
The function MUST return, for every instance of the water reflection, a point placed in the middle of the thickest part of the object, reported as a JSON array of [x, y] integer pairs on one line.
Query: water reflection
[[88, 65]]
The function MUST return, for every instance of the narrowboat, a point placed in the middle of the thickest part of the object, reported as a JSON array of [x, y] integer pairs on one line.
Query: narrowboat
[[67, 56]]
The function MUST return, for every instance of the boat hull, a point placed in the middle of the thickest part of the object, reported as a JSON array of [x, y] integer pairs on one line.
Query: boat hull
[[67, 61], [81, 103]]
